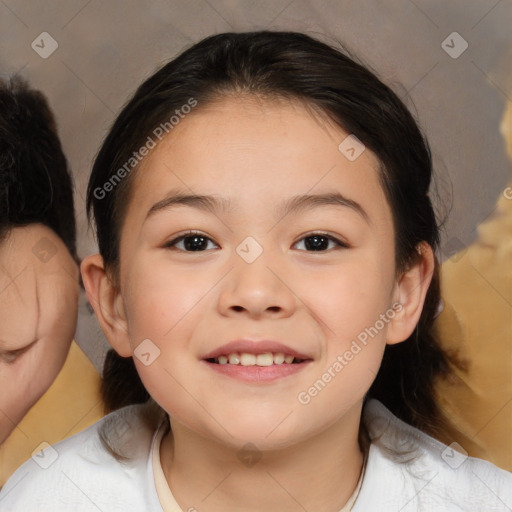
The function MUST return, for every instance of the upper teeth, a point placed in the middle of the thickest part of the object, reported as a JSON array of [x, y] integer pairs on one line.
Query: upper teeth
[[244, 359]]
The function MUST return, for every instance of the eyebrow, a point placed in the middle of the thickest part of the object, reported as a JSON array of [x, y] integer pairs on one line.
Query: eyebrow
[[294, 205]]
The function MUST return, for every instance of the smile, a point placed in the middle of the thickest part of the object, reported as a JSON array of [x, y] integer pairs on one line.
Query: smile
[[246, 359], [256, 368]]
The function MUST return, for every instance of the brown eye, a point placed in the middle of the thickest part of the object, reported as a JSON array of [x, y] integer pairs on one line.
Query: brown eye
[[320, 242], [191, 242]]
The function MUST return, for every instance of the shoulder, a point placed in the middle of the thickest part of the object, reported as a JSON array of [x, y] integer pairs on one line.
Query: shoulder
[[410, 470], [80, 473]]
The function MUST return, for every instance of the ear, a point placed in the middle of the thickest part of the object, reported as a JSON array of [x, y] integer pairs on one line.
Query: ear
[[106, 300], [410, 292]]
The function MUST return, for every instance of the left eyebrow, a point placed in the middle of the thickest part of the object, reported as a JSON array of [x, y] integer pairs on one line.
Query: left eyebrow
[[294, 205], [303, 202]]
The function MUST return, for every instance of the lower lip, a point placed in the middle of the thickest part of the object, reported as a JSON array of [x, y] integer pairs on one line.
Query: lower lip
[[258, 373]]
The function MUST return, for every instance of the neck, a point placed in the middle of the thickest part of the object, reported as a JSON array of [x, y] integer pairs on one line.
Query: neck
[[320, 473]]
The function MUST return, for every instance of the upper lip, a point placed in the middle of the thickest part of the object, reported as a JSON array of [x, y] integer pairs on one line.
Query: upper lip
[[254, 347]]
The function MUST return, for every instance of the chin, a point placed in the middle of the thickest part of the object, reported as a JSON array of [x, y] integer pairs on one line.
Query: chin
[[266, 433]]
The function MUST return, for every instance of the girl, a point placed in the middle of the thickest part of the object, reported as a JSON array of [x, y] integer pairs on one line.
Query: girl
[[267, 265]]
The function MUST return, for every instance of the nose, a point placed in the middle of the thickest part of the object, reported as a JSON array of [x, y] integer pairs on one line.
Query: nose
[[256, 290]]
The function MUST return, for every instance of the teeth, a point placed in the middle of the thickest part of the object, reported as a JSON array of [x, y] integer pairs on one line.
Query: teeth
[[245, 359], [234, 358], [278, 358], [265, 359]]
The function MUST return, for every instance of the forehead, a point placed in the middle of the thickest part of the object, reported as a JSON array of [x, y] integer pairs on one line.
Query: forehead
[[255, 152]]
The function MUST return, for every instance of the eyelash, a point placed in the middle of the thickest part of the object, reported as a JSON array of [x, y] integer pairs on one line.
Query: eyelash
[[11, 356], [171, 243]]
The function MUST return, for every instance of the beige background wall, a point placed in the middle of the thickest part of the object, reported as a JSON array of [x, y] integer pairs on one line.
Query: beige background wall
[[105, 49]]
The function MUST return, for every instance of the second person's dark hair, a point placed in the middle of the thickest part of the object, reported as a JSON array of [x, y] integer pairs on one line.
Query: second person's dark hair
[[35, 181]]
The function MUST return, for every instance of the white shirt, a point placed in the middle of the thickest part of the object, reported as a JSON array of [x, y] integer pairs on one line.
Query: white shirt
[[79, 474]]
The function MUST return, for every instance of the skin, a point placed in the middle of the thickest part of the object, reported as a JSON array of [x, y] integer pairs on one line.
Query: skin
[[257, 154], [38, 315]]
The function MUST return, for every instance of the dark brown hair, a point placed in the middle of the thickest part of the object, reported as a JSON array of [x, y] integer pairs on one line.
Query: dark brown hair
[[294, 66], [35, 182]]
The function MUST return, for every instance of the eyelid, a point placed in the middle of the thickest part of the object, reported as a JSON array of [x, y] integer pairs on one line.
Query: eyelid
[[341, 243], [10, 356], [170, 244]]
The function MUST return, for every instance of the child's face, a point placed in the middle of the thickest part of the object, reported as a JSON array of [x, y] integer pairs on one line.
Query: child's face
[[257, 157]]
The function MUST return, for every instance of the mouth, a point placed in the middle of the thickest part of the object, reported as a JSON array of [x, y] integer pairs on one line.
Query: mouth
[[248, 359], [256, 361]]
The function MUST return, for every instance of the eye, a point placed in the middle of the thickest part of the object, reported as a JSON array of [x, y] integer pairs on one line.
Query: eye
[[320, 242], [189, 242], [11, 356]]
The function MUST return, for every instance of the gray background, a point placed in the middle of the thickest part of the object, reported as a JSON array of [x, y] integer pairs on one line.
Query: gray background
[[106, 49]]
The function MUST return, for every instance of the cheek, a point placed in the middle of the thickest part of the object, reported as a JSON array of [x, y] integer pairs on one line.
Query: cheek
[[171, 382], [42, 366], [157, 299], [343, 384], [355, 313], [349, 299], [354, 306], [25, 381]]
